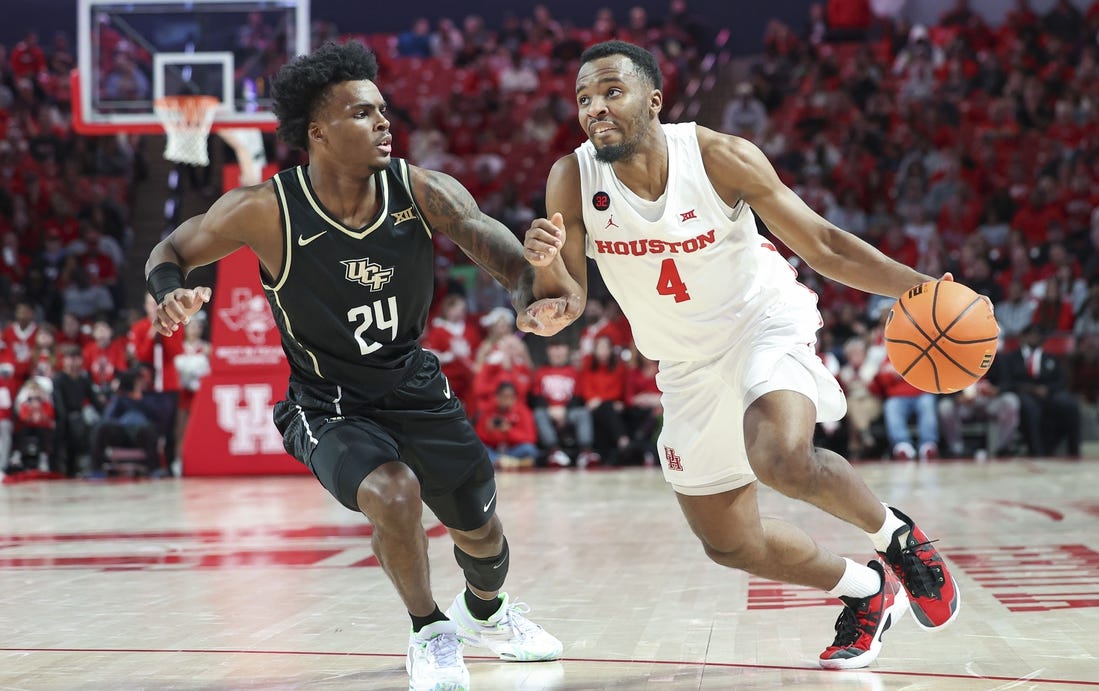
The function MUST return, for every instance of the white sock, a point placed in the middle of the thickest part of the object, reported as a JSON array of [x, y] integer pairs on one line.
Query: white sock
[[858, 581], [884, 534]]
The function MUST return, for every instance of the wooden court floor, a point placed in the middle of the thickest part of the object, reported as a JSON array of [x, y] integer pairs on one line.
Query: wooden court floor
[[269, 584]]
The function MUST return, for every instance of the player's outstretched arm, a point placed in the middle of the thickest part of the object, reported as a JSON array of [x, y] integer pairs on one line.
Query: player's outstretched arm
[[449, 208], [198, 241], [739, 170]]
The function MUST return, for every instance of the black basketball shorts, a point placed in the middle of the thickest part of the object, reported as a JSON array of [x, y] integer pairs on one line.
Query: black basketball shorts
[[420, 423]]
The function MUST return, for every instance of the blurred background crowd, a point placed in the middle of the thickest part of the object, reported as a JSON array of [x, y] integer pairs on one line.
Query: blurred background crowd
[[961, 145]]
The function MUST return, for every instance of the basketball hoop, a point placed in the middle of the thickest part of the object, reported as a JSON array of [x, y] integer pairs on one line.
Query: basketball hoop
[[187, 121]]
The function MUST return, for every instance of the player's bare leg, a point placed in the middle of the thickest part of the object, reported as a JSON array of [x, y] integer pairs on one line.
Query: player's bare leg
[[778, 435], [390, 498], [734, 535]]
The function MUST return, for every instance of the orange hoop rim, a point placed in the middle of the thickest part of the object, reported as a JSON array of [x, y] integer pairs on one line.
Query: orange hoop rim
[[191, 109]]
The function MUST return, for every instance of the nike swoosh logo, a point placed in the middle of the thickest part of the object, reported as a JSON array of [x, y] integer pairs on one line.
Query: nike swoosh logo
[[446, 392], [303, 241], [490, 500]]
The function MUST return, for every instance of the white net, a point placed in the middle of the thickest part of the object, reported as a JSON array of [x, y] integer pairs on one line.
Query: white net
[[187, 121]]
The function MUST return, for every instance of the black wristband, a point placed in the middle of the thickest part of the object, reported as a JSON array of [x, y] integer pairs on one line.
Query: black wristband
[[163, 279]]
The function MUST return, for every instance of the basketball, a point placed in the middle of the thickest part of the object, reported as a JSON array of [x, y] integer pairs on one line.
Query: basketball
[[941, 336]]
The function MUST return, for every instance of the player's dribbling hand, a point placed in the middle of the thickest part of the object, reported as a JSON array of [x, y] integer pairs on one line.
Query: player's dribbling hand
[[178, 307], [544, 240], [950, 277], [546, 317]]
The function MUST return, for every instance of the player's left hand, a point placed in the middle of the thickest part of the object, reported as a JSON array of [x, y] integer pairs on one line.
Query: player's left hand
[[544, 240], [546, 317]]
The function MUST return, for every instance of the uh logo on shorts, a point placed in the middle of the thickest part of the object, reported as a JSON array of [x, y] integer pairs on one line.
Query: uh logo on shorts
[[672, 458]]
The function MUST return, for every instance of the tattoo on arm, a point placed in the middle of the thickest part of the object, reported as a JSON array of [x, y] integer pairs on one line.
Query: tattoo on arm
[[451, 209]]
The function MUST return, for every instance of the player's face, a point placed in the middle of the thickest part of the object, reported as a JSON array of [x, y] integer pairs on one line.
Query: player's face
[[616, 106], [353, 125]]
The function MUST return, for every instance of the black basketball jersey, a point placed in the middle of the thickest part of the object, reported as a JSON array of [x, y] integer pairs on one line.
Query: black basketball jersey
[[351, 303]]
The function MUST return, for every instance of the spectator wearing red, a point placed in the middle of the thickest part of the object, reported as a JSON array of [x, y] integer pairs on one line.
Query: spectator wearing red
[[27, 59], [603, 388], [507, 429], [1019, 268], [45, 359], [19, 339], [508, 360], [604, 318], [72, 332], [454, 339], [1059, 261], [100, 266], [148, 347], [105, 356], [559, 409], [34, 422], [1052, 312], [900, 402], [897, 245]]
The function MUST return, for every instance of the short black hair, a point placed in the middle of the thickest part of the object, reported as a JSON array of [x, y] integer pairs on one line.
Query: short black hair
[[301, 86], [644, 61]]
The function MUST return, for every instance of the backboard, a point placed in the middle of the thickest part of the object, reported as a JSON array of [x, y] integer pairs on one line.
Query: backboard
[[132, 52]]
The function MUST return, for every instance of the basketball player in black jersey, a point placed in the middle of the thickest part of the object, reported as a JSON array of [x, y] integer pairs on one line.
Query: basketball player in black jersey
[[346, 261]]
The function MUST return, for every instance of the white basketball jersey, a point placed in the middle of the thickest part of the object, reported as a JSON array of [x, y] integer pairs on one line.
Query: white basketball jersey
[[692, 275]]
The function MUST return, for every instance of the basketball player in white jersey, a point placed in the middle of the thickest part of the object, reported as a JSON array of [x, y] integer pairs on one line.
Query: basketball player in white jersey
[[666, 213]]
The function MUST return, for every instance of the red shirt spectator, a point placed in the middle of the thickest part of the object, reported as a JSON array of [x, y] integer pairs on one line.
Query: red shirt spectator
[[641, 388], [27, 58], [508, 422], [603, 375], [105, 356], [557, 382], [148, 347], [454, 339], [8, 390], [34, 406], [1053, 312], [509, 361], [604, 319], [19, 339], [72, 332], [896, 245]]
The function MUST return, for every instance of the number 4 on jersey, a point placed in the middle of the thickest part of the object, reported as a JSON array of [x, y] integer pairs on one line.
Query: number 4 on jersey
[[670, 283]]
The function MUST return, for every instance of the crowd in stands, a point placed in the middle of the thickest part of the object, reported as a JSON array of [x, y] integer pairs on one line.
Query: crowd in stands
[[958, 147], [68, 332], [961, 147]]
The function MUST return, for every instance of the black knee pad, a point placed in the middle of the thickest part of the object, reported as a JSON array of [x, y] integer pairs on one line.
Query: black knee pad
[[486, 574]]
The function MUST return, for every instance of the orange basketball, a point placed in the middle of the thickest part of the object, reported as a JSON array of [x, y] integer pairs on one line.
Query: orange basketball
[[941, 336]]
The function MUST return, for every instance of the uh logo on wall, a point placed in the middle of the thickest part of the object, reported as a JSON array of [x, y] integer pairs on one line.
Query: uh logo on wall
[[230, 431]]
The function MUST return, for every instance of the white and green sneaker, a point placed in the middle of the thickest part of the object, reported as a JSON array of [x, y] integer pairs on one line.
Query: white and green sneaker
[[508, 633], [434, 661]]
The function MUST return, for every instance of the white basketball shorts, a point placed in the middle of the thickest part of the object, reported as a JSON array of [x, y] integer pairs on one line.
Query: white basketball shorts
[[701, 445]]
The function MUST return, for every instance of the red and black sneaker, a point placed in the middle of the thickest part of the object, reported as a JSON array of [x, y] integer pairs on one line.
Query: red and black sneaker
[[932, 590], [863, 622]]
